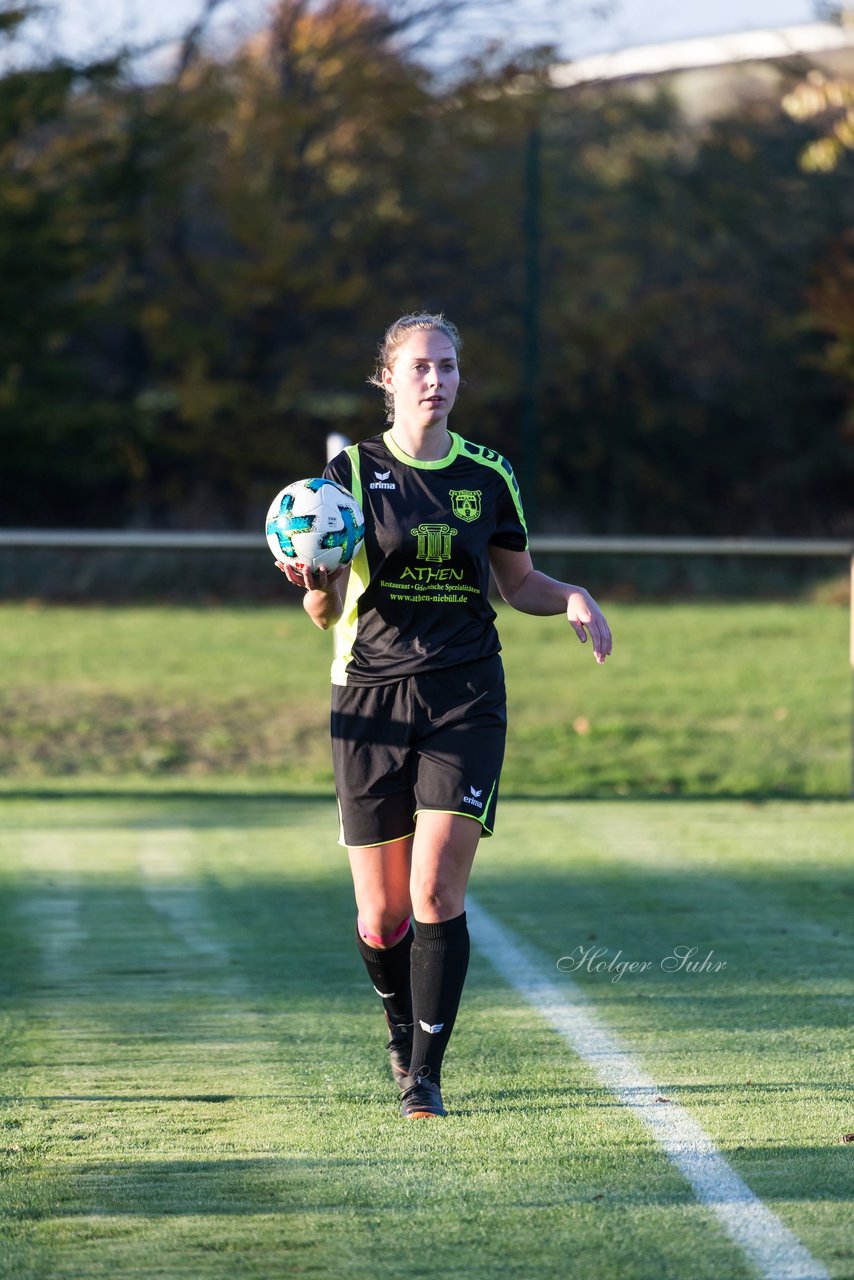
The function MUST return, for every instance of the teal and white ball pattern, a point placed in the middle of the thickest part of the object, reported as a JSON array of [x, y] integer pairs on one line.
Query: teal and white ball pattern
[[315, 522]]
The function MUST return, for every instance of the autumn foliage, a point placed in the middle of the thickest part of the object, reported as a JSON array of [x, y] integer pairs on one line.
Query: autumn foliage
[[196, 272]]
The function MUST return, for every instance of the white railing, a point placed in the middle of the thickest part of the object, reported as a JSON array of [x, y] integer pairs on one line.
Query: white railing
[[181, 540], [184, 540]]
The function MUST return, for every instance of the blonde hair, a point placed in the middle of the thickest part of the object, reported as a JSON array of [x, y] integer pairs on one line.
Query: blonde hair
[[394, 338]]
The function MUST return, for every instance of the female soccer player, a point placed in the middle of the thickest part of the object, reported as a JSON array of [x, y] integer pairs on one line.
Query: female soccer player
[[418, 702]]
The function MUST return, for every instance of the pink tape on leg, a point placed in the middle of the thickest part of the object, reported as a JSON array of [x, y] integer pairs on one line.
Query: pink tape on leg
[[384, 939]]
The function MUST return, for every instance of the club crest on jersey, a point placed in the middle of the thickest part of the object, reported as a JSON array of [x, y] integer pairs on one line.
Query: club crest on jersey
[[466, 503], [434, 541]]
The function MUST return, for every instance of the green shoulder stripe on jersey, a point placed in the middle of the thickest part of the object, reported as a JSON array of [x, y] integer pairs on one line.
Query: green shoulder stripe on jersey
[[489, 458], [397, 452], [352, 452], [345, 628]]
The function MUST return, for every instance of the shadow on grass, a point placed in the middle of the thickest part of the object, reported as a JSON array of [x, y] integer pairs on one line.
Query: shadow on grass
[[784, 930], [214, 794], [298, 1184], [160, 795], [48, 1099]]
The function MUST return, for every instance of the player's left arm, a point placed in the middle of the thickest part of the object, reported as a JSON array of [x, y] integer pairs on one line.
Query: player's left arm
[[529, 591]]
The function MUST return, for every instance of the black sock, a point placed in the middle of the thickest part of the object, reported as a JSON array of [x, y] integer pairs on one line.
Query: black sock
[[388, 970], [439, 962]]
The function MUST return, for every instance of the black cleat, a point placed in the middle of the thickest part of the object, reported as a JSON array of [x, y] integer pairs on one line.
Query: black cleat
[[420, 1099], [399, 1050]]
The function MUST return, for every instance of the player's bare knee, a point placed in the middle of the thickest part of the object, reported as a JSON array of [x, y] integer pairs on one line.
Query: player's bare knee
[[438, 902], [383, 928]]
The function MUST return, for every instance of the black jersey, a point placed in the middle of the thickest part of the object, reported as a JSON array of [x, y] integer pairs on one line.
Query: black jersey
[[417, 596]]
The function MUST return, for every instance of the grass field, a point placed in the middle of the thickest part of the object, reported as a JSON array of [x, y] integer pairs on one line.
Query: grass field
[[701, 699], [193, 1069], [192, 1060]]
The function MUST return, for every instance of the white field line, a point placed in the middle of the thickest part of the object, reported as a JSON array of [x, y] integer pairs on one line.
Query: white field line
[[168, 885], [54, 919], [772, 1248], [52, 913]]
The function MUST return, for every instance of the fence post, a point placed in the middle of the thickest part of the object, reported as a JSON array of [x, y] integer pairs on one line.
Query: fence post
[[335, 443]]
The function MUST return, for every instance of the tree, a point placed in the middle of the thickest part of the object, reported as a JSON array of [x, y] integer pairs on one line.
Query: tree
[[46, 175], [829, 100], [196, 269]]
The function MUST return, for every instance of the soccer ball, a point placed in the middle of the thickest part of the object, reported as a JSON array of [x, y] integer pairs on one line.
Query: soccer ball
[[313, 523]]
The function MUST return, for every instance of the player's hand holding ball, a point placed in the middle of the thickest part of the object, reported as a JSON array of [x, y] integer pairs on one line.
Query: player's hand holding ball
[[310, 579], [314, 529]]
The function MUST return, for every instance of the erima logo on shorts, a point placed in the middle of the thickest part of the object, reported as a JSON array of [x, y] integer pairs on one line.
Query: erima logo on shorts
[[434, 1030], [382, 481], [474, 798]]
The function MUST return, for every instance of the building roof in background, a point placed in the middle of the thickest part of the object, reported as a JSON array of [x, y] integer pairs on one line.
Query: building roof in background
[[814, 38]]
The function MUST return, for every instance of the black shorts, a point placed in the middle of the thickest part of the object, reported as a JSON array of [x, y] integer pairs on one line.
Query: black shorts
[[434, 740]]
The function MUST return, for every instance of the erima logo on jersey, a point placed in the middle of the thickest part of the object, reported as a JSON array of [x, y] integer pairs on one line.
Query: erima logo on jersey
[[432, 1031], [474, 797], [382, 481], [386, 995]]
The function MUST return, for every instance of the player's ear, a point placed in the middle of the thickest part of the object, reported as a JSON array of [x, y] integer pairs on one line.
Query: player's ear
[[387, 377]]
